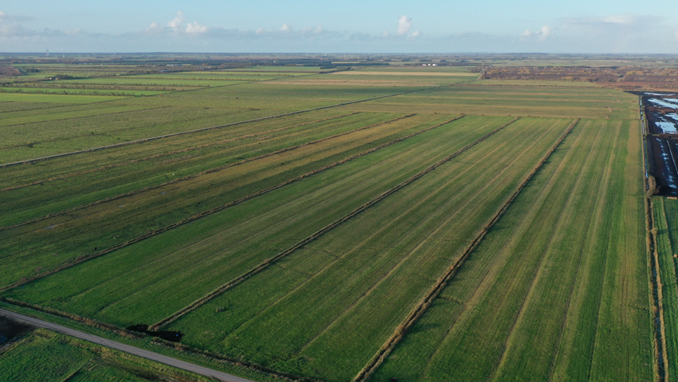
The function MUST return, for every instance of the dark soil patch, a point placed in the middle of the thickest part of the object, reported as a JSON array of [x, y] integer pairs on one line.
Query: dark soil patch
[[167, 335], [10, 329], [662, 155]]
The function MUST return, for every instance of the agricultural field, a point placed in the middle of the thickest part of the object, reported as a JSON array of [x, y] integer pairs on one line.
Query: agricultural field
[[379, 223], [666, 226], [65, 358]]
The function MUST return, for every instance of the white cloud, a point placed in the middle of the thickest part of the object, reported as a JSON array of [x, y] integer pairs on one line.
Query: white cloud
[[619, 19], [385, 34], [614, 21], [286, 28], [155, 28], [10, 28], [416, 34], [74, 32], [196, 28], [544, 33], [404, 25], [313, 31], [177, 22]]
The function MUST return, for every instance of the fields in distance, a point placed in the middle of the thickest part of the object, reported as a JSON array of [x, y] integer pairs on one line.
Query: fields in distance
[[374, 224]]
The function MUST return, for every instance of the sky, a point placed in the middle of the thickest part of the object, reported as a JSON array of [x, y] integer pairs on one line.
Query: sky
[[347, 26]]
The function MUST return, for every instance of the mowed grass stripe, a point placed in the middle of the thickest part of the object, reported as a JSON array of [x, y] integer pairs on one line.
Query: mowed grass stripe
[[215, 185], [227, 243], [59, 136], [574, 361], [202, 173], [572, 347], [441, 283], [19, 175], [664, 221], [319, 233], [131, 225], [468, 325], [552, 286], [477, 278], [624, 330], [349, 274], [184, 150], [203, 129]]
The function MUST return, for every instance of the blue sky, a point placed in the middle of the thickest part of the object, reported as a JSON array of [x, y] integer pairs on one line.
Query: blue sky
[[395, 26]]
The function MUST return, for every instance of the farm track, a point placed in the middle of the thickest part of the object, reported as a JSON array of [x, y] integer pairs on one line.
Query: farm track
[[428, 299], [82, 259], [145, 189], [34, 160], [319, 233], [39, 182]]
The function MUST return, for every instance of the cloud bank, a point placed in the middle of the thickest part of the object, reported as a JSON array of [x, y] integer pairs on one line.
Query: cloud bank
[[613, 33]]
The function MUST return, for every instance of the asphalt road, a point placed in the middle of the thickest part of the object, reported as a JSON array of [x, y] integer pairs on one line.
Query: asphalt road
[[123, 347]]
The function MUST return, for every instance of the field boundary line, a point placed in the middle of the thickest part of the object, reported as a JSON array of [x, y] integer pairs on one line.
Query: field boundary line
[[107, 133], [152, 233], [205, 172], [72, 118], [266, 263], [175, 152], [430, 297], [63, 104], [122, 144], [657, 294], [654, 279]]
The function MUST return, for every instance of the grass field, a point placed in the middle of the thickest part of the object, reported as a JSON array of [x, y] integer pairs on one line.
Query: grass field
[[47, 356], [294, 221], [667, 236], [561, 102], [541, 297]]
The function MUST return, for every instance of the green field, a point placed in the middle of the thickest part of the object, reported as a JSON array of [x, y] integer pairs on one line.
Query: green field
[[381, 223], [541, 297], [65, 358], [665, 222]]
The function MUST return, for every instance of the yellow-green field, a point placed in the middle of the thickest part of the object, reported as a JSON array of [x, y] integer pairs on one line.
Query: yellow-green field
[[379, 223]]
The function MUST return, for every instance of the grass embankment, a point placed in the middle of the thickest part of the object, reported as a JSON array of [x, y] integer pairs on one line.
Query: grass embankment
[[558, 290], [666, 223]]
